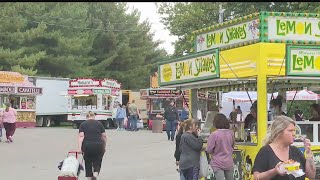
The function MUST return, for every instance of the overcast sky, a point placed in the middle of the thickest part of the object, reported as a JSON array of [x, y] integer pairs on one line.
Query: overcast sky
[[149, 11]]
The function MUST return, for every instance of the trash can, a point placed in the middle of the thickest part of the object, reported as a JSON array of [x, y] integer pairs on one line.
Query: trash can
[[157, 125]]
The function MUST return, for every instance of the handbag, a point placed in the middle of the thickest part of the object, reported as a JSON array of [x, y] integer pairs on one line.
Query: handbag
[[125, 122], [204, 166]]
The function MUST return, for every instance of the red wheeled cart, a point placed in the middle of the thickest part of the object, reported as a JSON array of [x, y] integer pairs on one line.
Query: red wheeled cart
[[70, 178]]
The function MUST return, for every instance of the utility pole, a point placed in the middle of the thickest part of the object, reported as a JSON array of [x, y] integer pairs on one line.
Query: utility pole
[[221, 11], [220, 93]]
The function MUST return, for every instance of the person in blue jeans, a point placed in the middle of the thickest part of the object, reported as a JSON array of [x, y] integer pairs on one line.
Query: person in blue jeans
[[134, 113], [171, 116], [121, 114]]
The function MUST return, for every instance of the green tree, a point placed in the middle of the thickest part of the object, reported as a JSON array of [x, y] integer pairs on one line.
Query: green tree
[[125, 52], [74, 40], [183, 18]]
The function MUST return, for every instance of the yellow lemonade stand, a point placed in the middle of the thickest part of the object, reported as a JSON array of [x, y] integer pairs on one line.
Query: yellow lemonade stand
[[265, 52]]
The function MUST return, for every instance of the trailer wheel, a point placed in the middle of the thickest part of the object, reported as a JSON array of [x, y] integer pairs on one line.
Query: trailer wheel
[[47, 122], [106, 124], [75, 125], [39, 121]]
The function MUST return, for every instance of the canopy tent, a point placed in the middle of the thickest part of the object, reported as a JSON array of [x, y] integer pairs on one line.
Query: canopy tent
[[241, 99], [303, 95]]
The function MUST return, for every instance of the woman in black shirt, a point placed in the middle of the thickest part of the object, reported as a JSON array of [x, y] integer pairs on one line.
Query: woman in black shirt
[[278, 149], [92, 142]]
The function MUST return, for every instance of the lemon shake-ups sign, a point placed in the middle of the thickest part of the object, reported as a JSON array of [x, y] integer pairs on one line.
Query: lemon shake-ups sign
[[293, 28], [195, 67], [234, 34], [303, 61]]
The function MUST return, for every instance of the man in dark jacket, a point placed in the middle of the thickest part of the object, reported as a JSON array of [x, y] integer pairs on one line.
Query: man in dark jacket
[[171, 116]]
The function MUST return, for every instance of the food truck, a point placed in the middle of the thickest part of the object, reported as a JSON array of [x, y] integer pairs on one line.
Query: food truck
[[96, 95], [265, 52], [157, 99], [21, 93]]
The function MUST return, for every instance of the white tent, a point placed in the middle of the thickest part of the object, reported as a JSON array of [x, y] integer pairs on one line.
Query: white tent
[[241, 99], [303, 95]]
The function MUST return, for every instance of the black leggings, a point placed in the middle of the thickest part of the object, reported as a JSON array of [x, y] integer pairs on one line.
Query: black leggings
[[92, 154]]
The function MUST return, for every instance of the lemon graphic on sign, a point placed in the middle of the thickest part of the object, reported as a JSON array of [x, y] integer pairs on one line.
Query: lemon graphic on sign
[[317, 63], [300, 28], [167, 72]]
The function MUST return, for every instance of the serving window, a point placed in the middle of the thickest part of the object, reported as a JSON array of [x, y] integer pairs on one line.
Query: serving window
[[19, 102], [84, 102]]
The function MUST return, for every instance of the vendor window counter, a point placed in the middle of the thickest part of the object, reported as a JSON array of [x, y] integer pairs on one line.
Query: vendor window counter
[[25, 110], [246, 143], [307, 129]]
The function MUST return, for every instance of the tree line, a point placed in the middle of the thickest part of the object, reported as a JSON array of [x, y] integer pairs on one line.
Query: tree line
[[98, 40]]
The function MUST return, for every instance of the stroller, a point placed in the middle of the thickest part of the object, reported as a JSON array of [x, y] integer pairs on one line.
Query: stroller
[[71, 164]]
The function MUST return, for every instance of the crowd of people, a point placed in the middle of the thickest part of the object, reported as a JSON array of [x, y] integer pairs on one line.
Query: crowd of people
[[276, 151], [127, 116]]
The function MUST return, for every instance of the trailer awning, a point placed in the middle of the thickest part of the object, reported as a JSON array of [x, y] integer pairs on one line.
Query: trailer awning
[[275, 84], [213, 84]]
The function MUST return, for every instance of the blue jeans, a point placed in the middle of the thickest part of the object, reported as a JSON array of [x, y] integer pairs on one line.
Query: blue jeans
[[181, 176], [120, 122], [133, 122], [171, 126], [191, 173]]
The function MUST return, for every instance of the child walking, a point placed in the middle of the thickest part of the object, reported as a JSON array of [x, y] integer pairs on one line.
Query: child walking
[[220, 146]]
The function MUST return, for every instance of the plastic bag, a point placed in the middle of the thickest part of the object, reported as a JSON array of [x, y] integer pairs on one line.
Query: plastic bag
[[125, 123], [210, 172], [70, 167], [204, 166], [140, 124]]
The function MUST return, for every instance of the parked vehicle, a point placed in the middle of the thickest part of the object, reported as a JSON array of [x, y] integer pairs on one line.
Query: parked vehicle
[[51, 106]]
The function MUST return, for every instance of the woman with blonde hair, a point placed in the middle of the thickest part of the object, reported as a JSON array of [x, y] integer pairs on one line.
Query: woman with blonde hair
[[190, 148], [278, 149], [92, 142]]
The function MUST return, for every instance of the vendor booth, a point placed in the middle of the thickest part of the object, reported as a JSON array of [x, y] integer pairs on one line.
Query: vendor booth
[[96, 95], [21, 93], [158, 99], [265, 52]]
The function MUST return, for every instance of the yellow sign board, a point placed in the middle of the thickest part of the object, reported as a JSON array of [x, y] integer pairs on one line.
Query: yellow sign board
[[195, 67], [303, 61], [10, 77]]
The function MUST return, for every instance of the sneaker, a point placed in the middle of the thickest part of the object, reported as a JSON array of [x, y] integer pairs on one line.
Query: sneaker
[[10, 139], [95, 175], [118, 129]]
